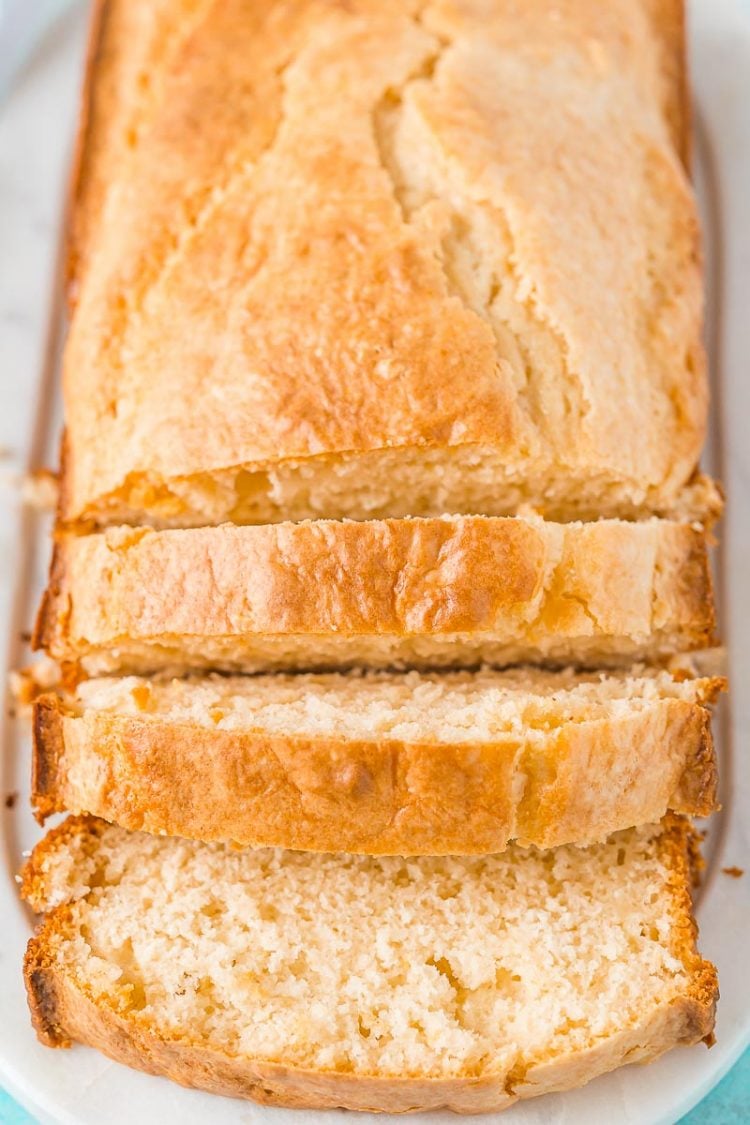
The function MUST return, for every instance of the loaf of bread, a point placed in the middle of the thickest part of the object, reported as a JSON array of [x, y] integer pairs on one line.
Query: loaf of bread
[[384, 373], [380, 984], [384, 763], [426, 592], [407, 257]]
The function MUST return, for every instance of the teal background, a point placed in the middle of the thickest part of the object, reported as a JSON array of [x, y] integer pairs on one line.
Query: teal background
[[727, 1104]]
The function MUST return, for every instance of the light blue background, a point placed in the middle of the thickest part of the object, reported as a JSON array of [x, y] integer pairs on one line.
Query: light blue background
[[727, 1104]]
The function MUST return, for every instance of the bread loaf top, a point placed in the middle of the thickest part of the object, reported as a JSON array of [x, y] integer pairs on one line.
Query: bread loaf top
[[384, 259]]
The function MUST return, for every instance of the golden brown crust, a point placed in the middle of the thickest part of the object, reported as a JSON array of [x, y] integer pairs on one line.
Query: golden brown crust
[[63, 1011], [49, 750], [86, 187], [215, 139], [384, 592], [43, 996], [698, 788], [576, 783], [127, 43], [50, 613], [668, 18], [683, 845]]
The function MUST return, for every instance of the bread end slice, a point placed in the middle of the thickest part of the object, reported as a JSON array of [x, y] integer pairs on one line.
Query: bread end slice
[[152, 951]]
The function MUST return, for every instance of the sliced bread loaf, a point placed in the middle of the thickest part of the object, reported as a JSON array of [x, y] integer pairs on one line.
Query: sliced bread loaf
[[380, 984], [455, 591], [380, 763]]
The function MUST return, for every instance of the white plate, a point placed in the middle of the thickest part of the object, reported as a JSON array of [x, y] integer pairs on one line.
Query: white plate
[[82, 1087]]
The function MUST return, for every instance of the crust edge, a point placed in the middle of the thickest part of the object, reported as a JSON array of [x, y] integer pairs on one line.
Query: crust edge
[[62, 1011], [173, 777]]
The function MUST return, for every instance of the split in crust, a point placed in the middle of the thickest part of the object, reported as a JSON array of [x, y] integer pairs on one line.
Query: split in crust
[[375, 984], [390, 763], [456, 591], [468, 278]]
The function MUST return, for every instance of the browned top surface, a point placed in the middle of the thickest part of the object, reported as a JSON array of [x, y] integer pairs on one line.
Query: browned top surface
[[349, 226]]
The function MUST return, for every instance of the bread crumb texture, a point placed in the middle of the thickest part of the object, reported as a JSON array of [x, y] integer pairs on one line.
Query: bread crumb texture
[[391, 967], [411, 707]]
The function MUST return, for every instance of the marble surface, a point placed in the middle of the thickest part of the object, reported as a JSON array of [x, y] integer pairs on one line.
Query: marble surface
[[728, 1104], [32, 170]]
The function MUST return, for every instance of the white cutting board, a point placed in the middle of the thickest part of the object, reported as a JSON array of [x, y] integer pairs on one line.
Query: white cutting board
[[82, 1087]]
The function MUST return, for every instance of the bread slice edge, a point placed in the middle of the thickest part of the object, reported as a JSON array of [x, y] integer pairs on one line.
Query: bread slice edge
[[62, 1012], [576, 782]]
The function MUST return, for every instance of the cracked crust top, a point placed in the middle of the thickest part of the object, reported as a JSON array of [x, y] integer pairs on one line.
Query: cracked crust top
[[425, 298]]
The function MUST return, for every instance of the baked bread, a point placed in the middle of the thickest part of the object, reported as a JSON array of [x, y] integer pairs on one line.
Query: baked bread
[[378, 266], [380, 984], [427, 592], [388, 763], [466, 279], [128, 46]]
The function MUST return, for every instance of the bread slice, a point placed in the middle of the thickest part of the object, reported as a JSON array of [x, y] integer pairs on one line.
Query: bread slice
[[452, 591], [380, 763], [379, 984], [381, 259]]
